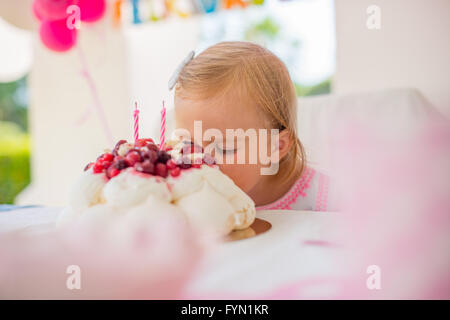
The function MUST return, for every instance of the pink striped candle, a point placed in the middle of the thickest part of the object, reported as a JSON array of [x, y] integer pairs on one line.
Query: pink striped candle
[[162, 138], [136, 122]]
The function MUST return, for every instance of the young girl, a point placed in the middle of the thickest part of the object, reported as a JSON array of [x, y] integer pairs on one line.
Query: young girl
[[235, 85]]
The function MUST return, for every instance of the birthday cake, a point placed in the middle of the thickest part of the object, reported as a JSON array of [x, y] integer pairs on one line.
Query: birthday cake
[[140, 178]]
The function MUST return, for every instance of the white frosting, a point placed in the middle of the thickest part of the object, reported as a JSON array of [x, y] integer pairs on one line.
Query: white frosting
[[194, 189], [207, 209], [205, 196], [87, 190], [152, 209], [131, 188], [131, 228], [92, 196], [189, 181], [100, 214], [242, 204]]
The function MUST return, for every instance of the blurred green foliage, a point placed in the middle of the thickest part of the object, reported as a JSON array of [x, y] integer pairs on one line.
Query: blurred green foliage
[[268, 31], [13, 102], [14, 140], [14, 161], [323, 87], [266, 28]]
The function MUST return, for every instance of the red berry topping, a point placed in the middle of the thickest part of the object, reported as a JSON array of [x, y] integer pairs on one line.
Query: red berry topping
[[151, 155], [138, 167], [161, 169], [171, 164], [106, 164], [133, 157], [107, 157], [175, 172], [98, 167], [146, 167], [163, 156], [152, 146], [196, 165], [116, 148], [88, 166], [112, 172], [185, 163], [120, 164], [143, 142]]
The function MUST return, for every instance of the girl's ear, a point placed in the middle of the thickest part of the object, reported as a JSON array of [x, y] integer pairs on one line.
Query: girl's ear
[[284, 143]]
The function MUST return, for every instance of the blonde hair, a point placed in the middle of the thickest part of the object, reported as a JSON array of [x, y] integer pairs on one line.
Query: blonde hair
[[256, 74]]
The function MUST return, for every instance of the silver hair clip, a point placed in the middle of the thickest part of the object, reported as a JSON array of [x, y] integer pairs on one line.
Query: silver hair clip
[[174, 78]]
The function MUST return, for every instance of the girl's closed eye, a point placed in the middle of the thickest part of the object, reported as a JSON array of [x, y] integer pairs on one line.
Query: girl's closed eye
[[223, 150]]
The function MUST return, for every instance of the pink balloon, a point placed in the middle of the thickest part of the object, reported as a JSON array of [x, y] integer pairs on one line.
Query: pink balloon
[[91, 10], [36, 11], [56, 36], [51, 9]]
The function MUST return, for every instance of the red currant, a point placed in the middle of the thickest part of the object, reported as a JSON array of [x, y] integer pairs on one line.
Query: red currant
[[175, 172], [171, 164], [132, 158], [98, 167], [146, 167], [107, 157], [152, 146], [161, 169], [106, 164], [112, 172]]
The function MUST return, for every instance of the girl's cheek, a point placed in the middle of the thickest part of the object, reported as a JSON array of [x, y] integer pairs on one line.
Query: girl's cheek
[[227, 169], [232, 171], [244, 176]]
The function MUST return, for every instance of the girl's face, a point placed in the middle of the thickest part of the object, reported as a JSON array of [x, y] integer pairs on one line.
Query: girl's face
[[225, 113]]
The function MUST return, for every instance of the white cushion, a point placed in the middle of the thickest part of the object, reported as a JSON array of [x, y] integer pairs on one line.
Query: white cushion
[[393, 109]]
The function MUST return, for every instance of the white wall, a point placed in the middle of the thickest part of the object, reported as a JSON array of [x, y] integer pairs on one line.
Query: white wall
[[153, 53], [412, 48]]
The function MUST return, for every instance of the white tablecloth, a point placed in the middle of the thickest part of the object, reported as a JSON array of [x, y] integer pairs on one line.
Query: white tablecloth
[[290, 251]]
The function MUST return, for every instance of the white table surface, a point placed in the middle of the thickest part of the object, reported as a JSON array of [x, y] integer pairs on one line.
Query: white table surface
[[290, 251], [285, 254]]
